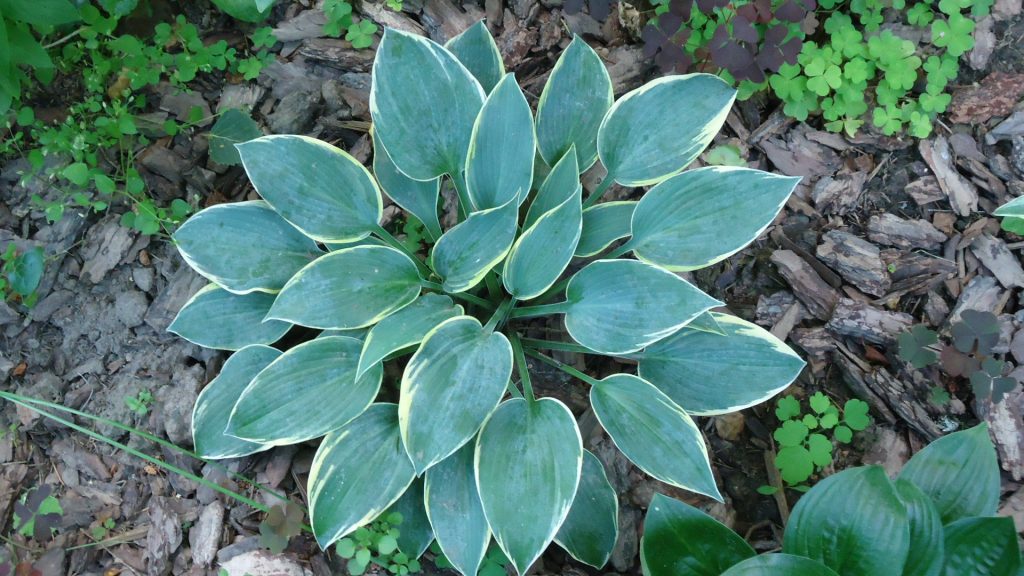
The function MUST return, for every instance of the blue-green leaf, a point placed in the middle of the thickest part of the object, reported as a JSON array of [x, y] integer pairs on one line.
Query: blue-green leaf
[[589, 532], [455, 512], [416, 197], [216, 318], [414, 533], [544, 250], [604, 224], [500, 163], [406, 327], [680, 540], [477, 51], [561, 184], [654, 433], [639, 147], [468, 251]]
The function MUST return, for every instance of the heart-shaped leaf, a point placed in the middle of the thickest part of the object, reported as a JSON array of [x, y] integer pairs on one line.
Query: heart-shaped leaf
[[706, 373], [320, 189], [779, 565], [499, 167], [305, 393], [640, 148], [680, 540], [575, 98], [678, 223], [450, 385], [349, 289], [455, 512], [423, 102], [528, 460], [590, 530], [654, 433], [244, 247], [357, 473], [832, 524], [478, 52], [405, 328], [604, 224], [214, 404], [544, 250], [621, 306], [216, 318], [416, 197], [982, 546], [959, 472], [467, 252]]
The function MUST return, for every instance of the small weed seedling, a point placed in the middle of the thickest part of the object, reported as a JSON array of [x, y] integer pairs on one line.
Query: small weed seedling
[[377, 543], [139, 404], [495, 562], [282, 522], [102, 529], [806, 448], [37, 514], [20, 274]]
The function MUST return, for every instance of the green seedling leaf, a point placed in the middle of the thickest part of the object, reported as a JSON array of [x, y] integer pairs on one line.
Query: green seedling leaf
[[914, 346], [791, 433], [282, 523], [25, 271], [990, 383], [855, 414], [977, 331], [787, 407], [37, 514], [820, 403], [794, 463]]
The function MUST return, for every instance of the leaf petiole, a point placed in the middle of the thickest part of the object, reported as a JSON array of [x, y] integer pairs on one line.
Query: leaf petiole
[[599, 191], [393, 242], [522, 367], [500, 315], [541, 310], [554, 345], [563, 367], [458, 295]]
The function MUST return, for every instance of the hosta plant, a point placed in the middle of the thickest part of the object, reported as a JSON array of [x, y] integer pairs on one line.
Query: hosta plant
[[465, 428], [936, 518]]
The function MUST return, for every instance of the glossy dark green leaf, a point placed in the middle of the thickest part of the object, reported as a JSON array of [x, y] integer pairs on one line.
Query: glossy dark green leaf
[[982, 547], [416, 197], [414, 533], [575, 98], [307, 392], [468, 251], [640, 148], [478, 52], [216, 318], [500, 163], [926, 553], [348, 289], [40, 12], [707, 373], [560, 185], [544, 250], [357, 473], [589, 532], [455, 512], [604, 224], [244, 247], [320, 189], [654, 433], [406, 327], [678, 224], [450, 385], [621, 306], [423, 102], [779, 565], [959, 472], [833, 524], [214, 404], [680, 540], [528, 459]]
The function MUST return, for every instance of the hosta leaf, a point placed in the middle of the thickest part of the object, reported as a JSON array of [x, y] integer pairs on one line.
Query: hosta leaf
[[216, 318], [779, 565], [528, 460], [544, 250], [320, 189], [450, 385], [244, 247], [925, 556], [680, 540], [707, 322], [653, 433], [832, 524], [575, 98], [604, 224], [640, 148], [621, 306], [477, 51], [500, 163], [960, 474], [456, 515], [406, 327], [1014, 207], [233, 127], [307, 392], [981, 547], [416, 197], [213, 406], [561, 183], [589, 532], [467, 252], [423, 102], [707, 373], [358, 471], [414, 533], [678, 223], [348, 289]]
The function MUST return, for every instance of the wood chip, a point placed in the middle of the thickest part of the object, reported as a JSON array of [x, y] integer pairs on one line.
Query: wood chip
[[797, 155], [856, 260], [982, 293], [862, 321], [925, 190], [963, 196], [1006, 426], [838, 194], [996, 95], [891, 230], [984, 44], [819, 297], [995, 255], [337, 53]]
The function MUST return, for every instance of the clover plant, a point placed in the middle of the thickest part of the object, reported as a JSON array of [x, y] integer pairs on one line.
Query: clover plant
[[494, 458], [936, 518]]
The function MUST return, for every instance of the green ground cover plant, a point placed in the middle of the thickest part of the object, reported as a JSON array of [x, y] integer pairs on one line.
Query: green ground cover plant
[[20, 273], [465, 448], [938, 517]]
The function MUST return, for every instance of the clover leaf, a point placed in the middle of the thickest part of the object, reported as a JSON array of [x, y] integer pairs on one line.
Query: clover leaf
[[855, 414], [977, 331], [920, 14], [361, 34], [887, 119], [914, 346], [955, 34]]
